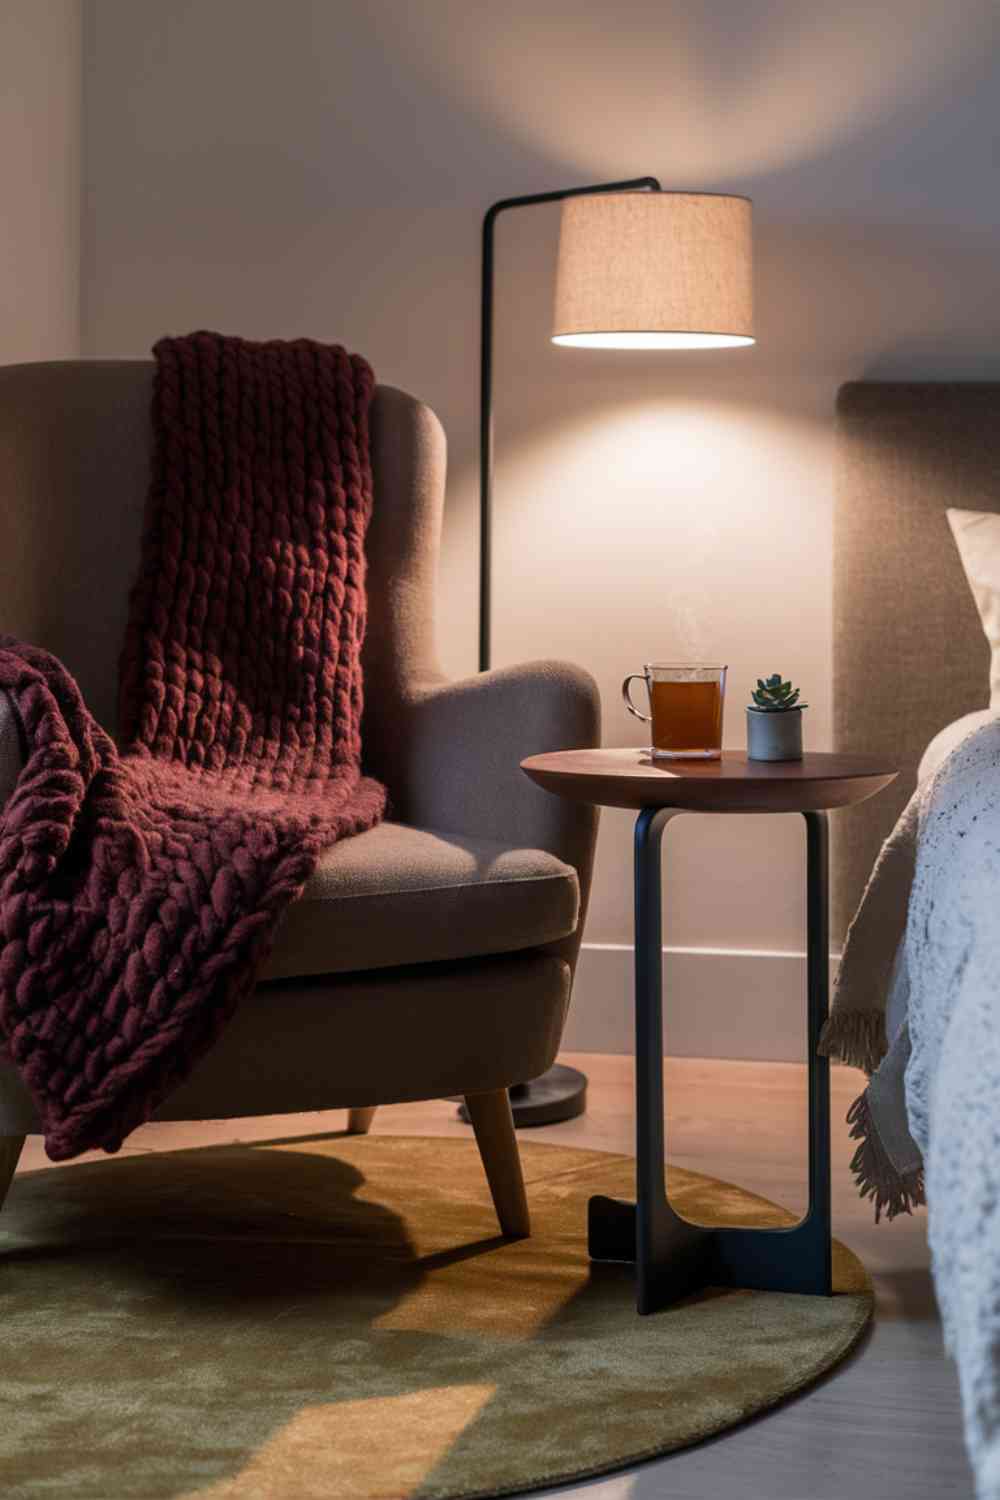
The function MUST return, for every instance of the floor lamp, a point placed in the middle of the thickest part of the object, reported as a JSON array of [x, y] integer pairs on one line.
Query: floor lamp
[[638, 268]]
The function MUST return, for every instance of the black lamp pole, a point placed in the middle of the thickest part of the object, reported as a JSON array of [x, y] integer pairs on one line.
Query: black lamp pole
[[486, 382], [560, 1093]]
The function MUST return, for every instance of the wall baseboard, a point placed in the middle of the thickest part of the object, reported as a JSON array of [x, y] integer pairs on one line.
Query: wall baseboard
[[717, 1003]]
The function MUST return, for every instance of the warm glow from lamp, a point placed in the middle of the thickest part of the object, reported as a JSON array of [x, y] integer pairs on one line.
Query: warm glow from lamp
[[651, 340], [648, 270]]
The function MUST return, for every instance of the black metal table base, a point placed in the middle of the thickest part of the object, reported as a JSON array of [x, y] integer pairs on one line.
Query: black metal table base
[[672, 1256]]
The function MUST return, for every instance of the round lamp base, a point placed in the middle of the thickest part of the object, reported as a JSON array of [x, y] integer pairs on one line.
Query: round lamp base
[[560, 1094]]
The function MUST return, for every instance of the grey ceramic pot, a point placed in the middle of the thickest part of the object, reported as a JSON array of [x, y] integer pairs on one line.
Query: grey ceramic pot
[[774, 736]]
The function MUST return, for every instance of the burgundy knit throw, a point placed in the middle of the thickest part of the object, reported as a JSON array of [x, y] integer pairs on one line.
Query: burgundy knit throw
[[139, 891]]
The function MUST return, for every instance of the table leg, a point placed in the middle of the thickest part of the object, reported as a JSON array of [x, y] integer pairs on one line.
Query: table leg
[[672, 1256]]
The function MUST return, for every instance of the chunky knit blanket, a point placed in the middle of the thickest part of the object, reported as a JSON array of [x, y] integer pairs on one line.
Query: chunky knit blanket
[[931, 1111], [140, 889]]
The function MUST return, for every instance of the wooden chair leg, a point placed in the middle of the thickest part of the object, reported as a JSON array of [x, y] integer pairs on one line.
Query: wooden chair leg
[[359, 1121], [10, 1151], [494, 1126]]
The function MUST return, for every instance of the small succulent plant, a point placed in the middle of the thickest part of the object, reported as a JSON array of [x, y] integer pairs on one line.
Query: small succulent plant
[[774, 696]]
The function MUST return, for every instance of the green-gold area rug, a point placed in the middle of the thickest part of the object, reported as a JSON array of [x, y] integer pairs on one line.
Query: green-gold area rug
[[338, 1319]]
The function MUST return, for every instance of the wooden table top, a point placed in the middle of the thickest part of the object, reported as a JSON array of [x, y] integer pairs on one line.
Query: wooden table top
[[631, 778]]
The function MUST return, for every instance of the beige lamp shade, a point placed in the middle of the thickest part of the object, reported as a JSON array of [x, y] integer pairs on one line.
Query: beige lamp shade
[[649, 270]]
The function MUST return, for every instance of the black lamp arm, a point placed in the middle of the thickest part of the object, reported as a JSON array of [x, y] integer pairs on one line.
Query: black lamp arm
[[486, 380]]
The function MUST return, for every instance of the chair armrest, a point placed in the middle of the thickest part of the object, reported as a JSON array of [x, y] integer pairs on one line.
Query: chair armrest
[[450, 754], [13, 750]]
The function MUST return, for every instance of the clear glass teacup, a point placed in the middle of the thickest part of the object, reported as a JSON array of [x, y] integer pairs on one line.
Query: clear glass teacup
[[685, 709]]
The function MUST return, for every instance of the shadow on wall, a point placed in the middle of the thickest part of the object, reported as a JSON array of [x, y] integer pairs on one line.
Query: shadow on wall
[[723, 89]]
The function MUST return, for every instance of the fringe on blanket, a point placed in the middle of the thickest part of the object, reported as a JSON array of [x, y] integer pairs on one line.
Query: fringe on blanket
[[856, 1037], [876, 1177]]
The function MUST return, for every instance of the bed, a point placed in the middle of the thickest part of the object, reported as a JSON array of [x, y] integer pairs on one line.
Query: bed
[[916, 872]]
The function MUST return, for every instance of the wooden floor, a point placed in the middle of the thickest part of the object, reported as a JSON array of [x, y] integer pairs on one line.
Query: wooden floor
[[887, 1425]]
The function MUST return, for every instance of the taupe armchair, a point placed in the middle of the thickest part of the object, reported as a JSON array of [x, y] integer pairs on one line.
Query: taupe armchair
[[429, 957]]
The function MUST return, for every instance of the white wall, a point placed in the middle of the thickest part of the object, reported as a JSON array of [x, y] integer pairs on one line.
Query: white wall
[[40, 124], [319, 167]]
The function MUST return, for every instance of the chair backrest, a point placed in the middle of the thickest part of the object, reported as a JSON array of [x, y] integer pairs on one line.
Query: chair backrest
[[75, 447]]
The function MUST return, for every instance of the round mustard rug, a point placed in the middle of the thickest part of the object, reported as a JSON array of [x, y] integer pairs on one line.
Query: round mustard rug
[[338, 1319]]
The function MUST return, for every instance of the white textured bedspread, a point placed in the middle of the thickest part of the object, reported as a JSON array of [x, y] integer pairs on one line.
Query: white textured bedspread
[[934, 1101]]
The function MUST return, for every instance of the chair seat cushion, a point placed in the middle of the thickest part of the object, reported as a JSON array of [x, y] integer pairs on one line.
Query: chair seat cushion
[[401, 895]]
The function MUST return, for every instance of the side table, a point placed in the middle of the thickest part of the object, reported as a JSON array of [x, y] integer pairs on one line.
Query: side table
[[673, 1256]]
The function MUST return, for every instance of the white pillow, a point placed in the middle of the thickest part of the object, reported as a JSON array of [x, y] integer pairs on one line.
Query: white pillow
[[977, 537]]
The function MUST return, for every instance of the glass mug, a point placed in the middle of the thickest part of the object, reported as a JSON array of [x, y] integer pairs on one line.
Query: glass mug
[[685, 710]]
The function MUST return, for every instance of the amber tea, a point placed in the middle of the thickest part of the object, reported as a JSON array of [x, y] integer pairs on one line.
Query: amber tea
[[685, 715]]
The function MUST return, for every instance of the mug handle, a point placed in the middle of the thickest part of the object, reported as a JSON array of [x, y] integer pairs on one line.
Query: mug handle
[[627, 697]]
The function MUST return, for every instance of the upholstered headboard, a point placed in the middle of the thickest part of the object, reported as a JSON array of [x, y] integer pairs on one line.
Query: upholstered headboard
[[909, 655]]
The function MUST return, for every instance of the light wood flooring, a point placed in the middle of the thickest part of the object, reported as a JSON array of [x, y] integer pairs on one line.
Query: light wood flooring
[[886, 1425]]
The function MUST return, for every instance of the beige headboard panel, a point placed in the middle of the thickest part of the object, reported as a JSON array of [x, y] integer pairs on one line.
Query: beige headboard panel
[[909, 655]]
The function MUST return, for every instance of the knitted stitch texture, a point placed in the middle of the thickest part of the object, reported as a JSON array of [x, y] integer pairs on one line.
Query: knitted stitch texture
[[140, 890]]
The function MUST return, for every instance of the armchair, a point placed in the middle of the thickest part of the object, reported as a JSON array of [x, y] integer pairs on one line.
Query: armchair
[[428, 957]]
